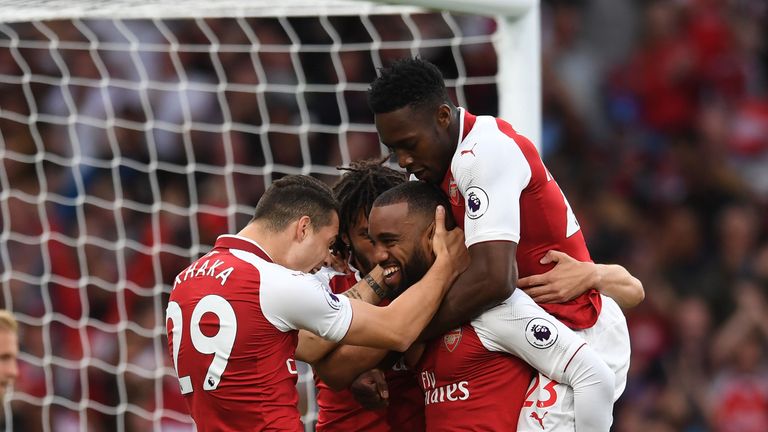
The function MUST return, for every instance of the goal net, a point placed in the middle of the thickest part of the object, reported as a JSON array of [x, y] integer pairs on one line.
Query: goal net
[[132, 133]]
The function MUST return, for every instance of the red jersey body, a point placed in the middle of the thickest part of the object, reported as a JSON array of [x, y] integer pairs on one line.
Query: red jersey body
[[500, 189], [340, 412], [233, 338], [469, 388]]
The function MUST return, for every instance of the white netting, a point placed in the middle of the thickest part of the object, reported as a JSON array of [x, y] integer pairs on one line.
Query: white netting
[[128, 145]]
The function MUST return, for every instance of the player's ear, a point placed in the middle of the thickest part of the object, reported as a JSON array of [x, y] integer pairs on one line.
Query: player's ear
[[444, 116], [303, 228], [429, 233]]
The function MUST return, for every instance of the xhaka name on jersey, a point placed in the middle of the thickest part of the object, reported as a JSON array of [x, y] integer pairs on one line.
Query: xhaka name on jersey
[[192, 271], [448, 393]]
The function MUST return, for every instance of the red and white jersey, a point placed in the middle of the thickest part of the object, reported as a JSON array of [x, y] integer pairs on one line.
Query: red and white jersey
[[515, 334], [340, 412], [232, 322], [500, 189], [469, 388]]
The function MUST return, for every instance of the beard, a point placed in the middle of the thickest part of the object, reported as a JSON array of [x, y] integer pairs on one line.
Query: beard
[[413, 271], [360, 262]]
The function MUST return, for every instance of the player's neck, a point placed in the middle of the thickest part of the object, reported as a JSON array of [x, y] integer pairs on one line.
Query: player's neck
[[275, 244], [454, 129]]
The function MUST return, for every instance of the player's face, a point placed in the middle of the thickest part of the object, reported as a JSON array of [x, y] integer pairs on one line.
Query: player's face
[[420, 140], [316, 247], [401, 243], [9, 351], [361, 245]]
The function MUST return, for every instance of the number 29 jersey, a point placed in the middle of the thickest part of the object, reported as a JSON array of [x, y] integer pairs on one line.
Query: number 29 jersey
[[232, 322]]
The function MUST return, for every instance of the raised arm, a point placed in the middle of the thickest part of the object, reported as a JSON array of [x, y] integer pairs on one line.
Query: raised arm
[[489, 280], [570, 278]]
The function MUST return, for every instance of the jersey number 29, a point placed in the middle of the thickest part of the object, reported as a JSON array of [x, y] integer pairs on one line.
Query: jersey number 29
[[219, 344]]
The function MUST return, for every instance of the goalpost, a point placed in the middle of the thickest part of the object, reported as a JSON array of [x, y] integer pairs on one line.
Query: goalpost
[[133, 132]]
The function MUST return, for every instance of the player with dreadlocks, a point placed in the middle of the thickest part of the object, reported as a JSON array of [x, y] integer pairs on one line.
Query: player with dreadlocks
[[357, 189]]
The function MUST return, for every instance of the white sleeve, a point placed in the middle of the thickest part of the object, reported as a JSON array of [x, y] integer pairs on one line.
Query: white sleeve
[[294, 301], [522, 328], [593, 386], [491, 179], [326, 274]]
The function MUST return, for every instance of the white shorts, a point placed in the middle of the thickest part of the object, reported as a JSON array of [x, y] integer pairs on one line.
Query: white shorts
[[549, 405]]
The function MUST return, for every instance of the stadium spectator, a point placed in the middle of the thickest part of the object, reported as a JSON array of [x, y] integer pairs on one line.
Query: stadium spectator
[[738, 394], [9, 351]]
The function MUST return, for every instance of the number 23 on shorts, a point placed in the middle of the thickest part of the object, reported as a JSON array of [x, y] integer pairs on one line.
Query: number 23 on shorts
[[549, 388]]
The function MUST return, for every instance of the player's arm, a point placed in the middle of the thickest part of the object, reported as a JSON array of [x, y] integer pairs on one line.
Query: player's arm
[[522, 328], [489, 280], [570, 278], [344, 364], [593, 386], [339, 365], [491, 180], [371, 289]]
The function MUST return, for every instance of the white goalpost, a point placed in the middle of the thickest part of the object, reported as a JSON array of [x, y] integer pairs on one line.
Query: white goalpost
[[132, 133]]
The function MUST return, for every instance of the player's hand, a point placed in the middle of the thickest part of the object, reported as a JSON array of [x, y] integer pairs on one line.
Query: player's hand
[[336, 262], [449, 244], [371, 390], [566, 281]]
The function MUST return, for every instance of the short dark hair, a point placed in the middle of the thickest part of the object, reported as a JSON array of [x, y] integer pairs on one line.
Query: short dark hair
[[411, 82], [292, 197], [422, 199], [360, 185]]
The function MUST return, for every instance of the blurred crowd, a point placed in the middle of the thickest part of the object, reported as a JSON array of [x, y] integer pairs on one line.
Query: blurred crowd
[[120, 165], [656, 127]]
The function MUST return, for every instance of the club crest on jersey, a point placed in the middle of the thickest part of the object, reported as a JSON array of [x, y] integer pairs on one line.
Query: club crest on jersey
[[453, 193], [540, 333], [452, 339], [477, 202]]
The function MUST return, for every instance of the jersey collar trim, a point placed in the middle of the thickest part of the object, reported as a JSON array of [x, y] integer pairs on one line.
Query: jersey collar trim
[[230, 241], [466, 121], [354, 270]]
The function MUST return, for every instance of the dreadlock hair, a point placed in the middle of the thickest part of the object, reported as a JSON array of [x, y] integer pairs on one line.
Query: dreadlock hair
[[413, 82], [359, 186]]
